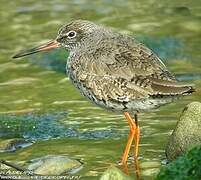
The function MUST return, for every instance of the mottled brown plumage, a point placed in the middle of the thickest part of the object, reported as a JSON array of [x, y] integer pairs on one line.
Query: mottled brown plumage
[[116, 72]]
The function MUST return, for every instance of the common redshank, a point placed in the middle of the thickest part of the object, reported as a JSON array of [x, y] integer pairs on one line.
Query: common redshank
[[116, 72]]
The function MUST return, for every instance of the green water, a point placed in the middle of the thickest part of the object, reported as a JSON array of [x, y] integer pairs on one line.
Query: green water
[[37, 101]]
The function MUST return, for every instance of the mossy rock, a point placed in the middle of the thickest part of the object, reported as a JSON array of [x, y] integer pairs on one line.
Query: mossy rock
[[10, 145], [113, 173], [187, 132], [54, 165], [186, 167]]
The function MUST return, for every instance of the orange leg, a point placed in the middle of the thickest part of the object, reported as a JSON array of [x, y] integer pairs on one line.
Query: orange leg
[[128, 146], [130, 137]]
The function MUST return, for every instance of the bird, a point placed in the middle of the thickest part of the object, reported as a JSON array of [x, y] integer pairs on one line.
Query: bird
[[116, 72]]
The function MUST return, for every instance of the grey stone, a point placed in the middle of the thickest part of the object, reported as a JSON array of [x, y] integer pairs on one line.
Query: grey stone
[[10, 145], [187, 132], [114, 173], [150, 164], [54, 165], [151, 172]]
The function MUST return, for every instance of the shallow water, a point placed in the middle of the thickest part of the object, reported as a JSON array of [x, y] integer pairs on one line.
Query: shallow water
[[37, 101]]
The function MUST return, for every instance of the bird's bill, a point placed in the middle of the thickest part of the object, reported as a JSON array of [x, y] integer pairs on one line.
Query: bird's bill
[[44, 47]]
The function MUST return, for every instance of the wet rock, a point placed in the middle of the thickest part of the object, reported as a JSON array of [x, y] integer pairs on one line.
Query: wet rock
[[10, 145], [187, 132], [114, 173], [152, 172], [150, 164], [150, 168], [54, 165]]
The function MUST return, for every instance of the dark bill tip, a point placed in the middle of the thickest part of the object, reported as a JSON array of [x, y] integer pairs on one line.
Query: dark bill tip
[[25, 53], [44, 47]]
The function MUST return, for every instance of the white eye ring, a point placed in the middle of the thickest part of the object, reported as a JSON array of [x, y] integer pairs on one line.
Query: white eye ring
[[71, 34]]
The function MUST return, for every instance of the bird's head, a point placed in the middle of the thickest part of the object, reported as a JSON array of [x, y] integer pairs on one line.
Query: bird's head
[[76, 33], [70, 36]]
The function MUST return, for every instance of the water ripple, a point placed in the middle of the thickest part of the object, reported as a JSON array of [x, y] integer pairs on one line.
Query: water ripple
[[45, 126]]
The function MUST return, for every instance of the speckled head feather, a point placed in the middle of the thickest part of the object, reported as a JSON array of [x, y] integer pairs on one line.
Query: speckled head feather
[[83, 25], [85, 32]]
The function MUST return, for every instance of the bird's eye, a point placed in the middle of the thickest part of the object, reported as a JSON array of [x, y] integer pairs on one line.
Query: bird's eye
[[71, 34]]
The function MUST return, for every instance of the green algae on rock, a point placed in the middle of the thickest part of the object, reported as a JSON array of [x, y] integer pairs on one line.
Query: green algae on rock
[[10, 145], [187, 132], [114, 173], [185, 167], [54, 165]]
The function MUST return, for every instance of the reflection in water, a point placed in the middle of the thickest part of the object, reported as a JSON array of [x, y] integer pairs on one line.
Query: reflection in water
[[45, 126], [125, 169], [135, 169]]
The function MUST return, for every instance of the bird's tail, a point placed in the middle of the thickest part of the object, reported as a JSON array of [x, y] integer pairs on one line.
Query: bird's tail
[[171, 88], [190, 90]]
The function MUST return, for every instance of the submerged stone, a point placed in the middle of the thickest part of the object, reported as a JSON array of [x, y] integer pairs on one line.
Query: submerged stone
[[150, 164], [187, 132], [114, 173], [10, 145], [150, 172], [54, 165]]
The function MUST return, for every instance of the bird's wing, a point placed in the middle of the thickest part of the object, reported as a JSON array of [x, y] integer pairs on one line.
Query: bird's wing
[[128, 71]]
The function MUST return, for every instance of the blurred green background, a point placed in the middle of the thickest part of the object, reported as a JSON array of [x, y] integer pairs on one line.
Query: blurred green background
[[37, 101]]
